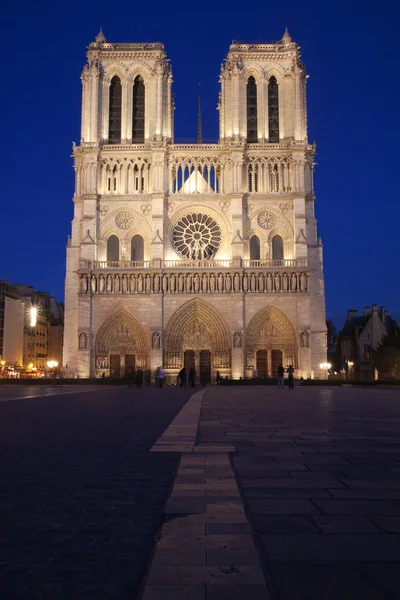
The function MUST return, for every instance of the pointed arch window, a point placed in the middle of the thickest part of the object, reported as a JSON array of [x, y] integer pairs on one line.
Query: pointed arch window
[[112, 248], [137, 248], [277, 247], [273, 110], [254, 247], [251, 92], [114, 124], [138, 111]]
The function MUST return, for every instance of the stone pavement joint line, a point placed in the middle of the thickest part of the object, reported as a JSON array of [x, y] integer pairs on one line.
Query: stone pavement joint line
[[206, 548], [180, 436]]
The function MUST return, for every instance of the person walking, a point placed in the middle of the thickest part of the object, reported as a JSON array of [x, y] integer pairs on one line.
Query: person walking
[[183, 377], [290, 377], [281, 381], [161, 377], [218, 378], [139, 378], [192, 377]]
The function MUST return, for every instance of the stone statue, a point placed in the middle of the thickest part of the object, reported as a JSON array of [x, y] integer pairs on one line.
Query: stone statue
[[180, 283], [285, 282], [253, 283], [101, 284], [109, 283], [245, 282], [261, 282], [165, 283], [148, 284], [156, 283], [236, 282], [133, 283], [212, 282], [277, 282], [228, 283], [172, 283], [189, 282], [156, 340], [124, 283], [220, 282], [237, 339], [293, 282], [116, 283], [204, 283], [83, 341], [140, 283], [196, 282], [303, 282], [94, 283]]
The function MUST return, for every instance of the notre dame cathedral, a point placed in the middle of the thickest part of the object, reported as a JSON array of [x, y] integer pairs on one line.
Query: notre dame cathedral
[[202, 255]]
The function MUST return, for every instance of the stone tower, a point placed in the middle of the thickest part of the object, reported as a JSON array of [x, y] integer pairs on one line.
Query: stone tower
[[200, 255]]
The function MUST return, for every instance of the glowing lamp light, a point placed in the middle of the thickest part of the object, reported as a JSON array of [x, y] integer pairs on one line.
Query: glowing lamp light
[[52, 364], [30, 366], [33, 315]]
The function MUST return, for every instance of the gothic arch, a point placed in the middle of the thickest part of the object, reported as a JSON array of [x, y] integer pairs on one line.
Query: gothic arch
[[140, 225], [252, 70], [271, 329], [121, 334], [139, 69], [215, 330], [116, 68], [275, 71]]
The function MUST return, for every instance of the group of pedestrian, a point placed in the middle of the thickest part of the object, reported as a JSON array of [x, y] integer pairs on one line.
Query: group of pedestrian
[[186, 377], [281, 376]]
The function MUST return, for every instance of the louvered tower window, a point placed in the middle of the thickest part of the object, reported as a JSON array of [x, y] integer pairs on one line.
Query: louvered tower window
[[112, 248], [252, 110], [114, 125], [254, 247], [277, 247], [138, 111], [273, 110], [137, 248]]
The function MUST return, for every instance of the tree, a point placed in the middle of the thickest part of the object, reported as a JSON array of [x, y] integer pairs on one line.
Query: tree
[[387, 355]]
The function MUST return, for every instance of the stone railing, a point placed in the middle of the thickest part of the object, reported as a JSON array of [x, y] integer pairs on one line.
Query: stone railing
[[194, 282], [193, 264]]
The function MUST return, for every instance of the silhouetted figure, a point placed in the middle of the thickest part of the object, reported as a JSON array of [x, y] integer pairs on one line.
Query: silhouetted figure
[[161, 377], [290, 376], [281, 381], [192, 377], [183, 377], [218, 377], [139, 378]]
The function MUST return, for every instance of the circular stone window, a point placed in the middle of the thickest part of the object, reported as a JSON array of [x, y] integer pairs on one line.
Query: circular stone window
[[196, 236], [124, 220], [266, 220]]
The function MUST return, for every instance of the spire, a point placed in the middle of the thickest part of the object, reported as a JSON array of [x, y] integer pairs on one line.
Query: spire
[[199, 123], [100, 37], [286, 37]]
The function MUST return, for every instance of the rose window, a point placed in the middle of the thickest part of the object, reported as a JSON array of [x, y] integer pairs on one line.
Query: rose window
[[124, 220], [266, 220], [196, 236]]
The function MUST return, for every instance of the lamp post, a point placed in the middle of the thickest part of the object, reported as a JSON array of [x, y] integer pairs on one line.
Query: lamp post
[[52, 364], [33, 321], [350, 364], [325, 367]]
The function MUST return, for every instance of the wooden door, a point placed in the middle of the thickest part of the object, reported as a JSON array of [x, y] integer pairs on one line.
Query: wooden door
[[276, 360], [262, 363], [189, 360], [129, 364], [115, 365], [205, 367]]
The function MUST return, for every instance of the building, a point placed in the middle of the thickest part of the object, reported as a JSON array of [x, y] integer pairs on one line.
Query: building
[[194, 254], [360, 336], [27, 342]]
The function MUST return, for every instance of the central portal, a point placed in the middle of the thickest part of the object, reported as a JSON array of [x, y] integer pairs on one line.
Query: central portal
[[201, 361]]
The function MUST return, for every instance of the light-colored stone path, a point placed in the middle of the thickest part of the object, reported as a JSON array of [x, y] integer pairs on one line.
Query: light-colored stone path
[[206, 549]]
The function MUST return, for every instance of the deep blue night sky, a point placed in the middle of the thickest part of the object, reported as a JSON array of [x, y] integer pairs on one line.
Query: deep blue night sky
[[352, 55]]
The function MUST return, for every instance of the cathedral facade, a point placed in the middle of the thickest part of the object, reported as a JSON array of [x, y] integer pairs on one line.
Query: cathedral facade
[[202, 255]]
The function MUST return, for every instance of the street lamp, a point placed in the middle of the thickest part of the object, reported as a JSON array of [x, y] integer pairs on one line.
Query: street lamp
[[350, 364], [325, 367], [52, 365]]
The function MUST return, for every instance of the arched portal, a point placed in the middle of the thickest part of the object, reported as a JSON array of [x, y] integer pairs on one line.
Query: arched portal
[[120, 345], [197, 327], [270, 340]]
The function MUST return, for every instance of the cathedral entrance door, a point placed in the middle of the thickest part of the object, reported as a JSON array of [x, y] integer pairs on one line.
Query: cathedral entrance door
[[115, 365], [205, 367], [276, 360], [129, 364], [262, 363], [189, 360]]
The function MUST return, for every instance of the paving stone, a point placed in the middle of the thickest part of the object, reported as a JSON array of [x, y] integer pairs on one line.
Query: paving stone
[[357, 507], [388, 524], [283, 506], [231, 592], [227, 528], [188, 556], [322, 582], [206, 575], [174, 592], [335, 548], [345, 524], [206, 541], [283, 524], [229, 556]]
